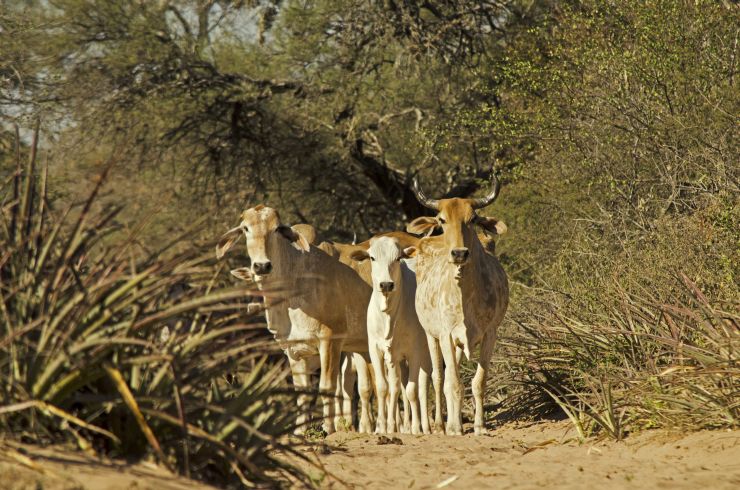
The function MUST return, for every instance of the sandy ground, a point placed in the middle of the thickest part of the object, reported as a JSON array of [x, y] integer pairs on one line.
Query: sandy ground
[[515, 455], [538, 455], [27, 467]]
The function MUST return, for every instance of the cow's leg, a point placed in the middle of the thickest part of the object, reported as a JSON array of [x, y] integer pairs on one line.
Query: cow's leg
[[412, 394], [436, 357], [425, 372], [381, 388], [338, 395], [330, 353], [404, 428], [394, 382], [364, 388], [479, 381], [458, 355], [345, 391], [301, 371], [372, 386], [453, 388]]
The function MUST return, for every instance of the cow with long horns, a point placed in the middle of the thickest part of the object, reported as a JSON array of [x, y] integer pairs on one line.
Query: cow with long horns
[[461, 297]]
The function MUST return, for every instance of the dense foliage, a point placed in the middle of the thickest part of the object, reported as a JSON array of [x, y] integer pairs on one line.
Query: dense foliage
[[613, 125]]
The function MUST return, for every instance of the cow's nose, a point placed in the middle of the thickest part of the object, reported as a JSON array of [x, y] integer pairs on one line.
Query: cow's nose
[[459, 255], [386, 287], [262, 268]]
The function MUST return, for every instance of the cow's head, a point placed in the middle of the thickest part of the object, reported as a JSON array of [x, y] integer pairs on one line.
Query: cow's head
[[261, 226], [457, 218], [385, 254]]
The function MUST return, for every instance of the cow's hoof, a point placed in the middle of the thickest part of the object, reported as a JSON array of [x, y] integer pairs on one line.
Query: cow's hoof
[[480, 430], [365, 427]]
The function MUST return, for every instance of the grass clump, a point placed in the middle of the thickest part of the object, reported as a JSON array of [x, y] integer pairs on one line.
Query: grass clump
[[639, 362]]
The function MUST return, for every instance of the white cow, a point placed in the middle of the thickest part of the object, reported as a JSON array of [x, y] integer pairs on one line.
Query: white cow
[[395, 334]]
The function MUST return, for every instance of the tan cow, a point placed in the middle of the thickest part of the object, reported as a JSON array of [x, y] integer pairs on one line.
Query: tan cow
[[326, 297], [461, 297]]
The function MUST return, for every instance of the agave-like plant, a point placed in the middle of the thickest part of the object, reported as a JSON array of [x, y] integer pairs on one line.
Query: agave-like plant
[[96, 338]]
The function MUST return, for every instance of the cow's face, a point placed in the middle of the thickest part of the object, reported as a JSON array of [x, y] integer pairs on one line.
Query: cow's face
[[456, 218], [260, 225], [385, 254]]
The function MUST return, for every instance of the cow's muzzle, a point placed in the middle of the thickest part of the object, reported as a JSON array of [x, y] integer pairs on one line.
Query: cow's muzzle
[[386, 287], [262, 268], [459, 256]]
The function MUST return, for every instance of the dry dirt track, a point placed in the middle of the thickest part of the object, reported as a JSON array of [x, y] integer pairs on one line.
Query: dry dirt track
[[519, 456], [540, 455]]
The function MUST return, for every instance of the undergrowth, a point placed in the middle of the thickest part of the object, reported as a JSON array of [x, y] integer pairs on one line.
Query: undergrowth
[[129, 353]]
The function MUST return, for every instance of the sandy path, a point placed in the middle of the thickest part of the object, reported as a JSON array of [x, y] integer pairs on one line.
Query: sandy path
[[540, 455], [521, 456]]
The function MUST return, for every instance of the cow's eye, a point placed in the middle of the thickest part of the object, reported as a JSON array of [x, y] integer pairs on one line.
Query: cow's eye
[[441, 220], [372, 258]]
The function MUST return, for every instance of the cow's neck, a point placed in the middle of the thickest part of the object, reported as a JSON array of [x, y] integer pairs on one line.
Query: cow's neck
[[276, 287], [390, 311], [467, 277], [392, 305], [283, 257]]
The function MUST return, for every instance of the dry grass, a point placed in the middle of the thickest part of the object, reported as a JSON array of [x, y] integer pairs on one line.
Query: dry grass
[[636, 362]]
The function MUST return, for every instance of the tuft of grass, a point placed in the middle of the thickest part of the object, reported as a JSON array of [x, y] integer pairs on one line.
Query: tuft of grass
[[132, 354], [315, 433], [637, 362]]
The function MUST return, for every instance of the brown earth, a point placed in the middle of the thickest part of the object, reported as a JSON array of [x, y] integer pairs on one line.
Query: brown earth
[[521, 456]]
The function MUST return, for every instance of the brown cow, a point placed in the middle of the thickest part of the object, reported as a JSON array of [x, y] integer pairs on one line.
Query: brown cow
[[327, 305], [461, 297]]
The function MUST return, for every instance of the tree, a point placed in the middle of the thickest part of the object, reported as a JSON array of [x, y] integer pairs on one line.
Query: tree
[[322, 107]]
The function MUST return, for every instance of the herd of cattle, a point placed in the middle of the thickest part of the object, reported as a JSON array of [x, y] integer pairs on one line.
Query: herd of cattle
[[409, 306]]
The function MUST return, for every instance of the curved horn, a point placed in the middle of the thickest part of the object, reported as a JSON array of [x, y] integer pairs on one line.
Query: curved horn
[[482, 202], [423, 199]]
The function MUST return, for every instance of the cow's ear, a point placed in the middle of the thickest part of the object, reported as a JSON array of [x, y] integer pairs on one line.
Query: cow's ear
[[297, 239], [243, 273], [308, 231], [422, 225], [497, 227], [227, 241], [409, 252], [359, 255]]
